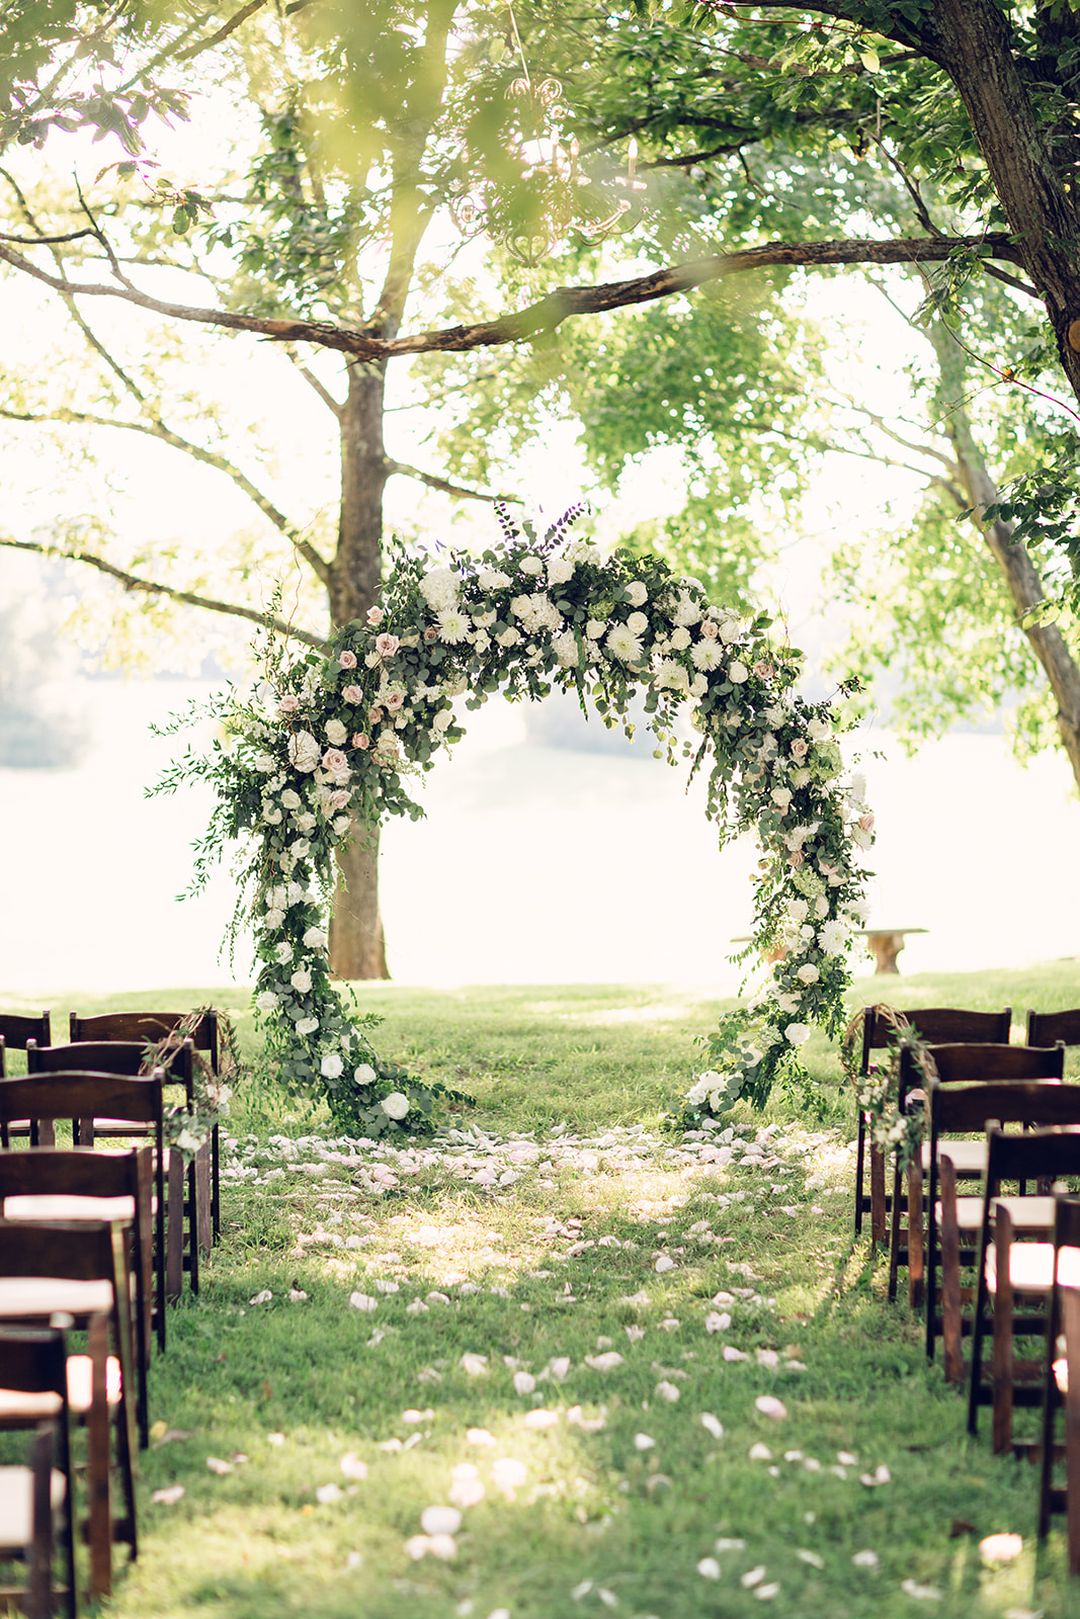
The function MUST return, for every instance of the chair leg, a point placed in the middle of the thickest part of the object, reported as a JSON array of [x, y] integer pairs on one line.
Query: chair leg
[[193, 1224], [1049, 1411], [1002, 1364], [174, 1229], [215, 1183], [71, 1598], [204, 1180], [97, 1434], [916, 1266], [951, 1309], [1071, 1315], [894, 1243], [39, 1586], [860, 1164], [878, 1230]]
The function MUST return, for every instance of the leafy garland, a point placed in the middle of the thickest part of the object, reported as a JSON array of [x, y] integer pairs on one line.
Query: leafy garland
[[328, 745], [187, 1129], [877, 1093]]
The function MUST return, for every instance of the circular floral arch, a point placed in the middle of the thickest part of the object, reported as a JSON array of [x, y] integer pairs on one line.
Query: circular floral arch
[[329, 745]]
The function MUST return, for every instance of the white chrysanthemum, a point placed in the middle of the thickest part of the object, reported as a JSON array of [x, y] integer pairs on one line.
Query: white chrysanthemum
[[832, 937], [706, 655], [623, 644], [439, 588], [454, 626], [671, 676]]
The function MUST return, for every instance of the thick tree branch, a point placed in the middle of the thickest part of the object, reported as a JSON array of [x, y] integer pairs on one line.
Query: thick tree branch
[[447, 486], [550, 311], [190, 598], [155, 428]]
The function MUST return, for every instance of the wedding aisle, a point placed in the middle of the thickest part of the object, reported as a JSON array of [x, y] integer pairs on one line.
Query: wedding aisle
[[551, 1370]]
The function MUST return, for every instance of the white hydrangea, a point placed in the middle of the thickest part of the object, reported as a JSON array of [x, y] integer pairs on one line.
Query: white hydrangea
[[439, 588], [566, 649], [687, 611], [305, 751]]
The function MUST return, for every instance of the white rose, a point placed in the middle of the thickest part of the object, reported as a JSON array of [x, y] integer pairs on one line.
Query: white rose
[[797, 1034], [443, 721], [509, 637], [781, 797], [532, 566], [636, 593], [265, 763], [594, 629], [267, 1001], [680, 638], [283, 951], [315, 939], [559, 570], [291, 800], [396, 1105], [808, 973], [301, 980], [637, 623], [490, 579], [365, 1074], [304, 751], [331, 1066], [272, 817], [274, 919], [738, 672], [335, 733], [341, 825], [306, 1026]]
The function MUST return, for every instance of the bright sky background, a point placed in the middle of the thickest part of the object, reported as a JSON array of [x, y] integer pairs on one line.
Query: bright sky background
[[610, 871]]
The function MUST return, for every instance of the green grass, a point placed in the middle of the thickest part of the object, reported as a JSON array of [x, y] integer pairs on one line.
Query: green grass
[[593, 1507]]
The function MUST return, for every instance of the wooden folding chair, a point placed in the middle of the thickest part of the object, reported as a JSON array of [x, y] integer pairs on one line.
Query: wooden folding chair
[[1061, 1383], [936, 1025], [182, 1212], [80, 1270], [37, 1503], [1054, 1028], [150, 1028], [86, 1184], [16, 1032], [1011, 1271], [952, 1064], [46, 1098], [955, 1109]]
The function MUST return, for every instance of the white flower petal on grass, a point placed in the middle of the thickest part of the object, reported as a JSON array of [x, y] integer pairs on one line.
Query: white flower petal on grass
[[664, 1263], [508, 1474], [846, 1459], [297, 1295], [353, 1467], [262, 1297], [328, 1493], [667, 1391], [643, 1441], [605, 1362], [731, 1353], [216, 1465], [413, 1416], [921, 1593], [811, 1558], [865, 1559], [709, 1568], [1003, 1548], [727, 1543], [474, 1365], [440, 1520], [771, 1407], [466, 1489], [879, 1476], [541, 1419], [524, 1382], [582, 1589], [363, 1301], [277, 1439], [169, 1496], [717, 1321], [577, 1419], [752, 1577], [558, 1366], [765, 1593], [382, 1286], [759, 1453], [711, 1424], [479, 1436]]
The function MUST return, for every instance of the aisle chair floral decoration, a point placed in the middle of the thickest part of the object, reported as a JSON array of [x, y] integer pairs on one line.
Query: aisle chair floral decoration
[[329, 746]]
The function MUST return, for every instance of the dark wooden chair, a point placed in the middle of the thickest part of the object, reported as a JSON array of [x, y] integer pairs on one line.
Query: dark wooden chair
[[956, 1221], [80, 1270], [47, 1098], [1010, 1271], [84, 1184], [1054, 1028], [37, 1503], [1061, 1382], [183, 1207], [151, 1027], [967, 1063], [16, 1031], [937, 1025]]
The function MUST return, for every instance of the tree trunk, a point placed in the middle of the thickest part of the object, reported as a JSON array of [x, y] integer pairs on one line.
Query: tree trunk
[[357, 943], [1020, 574]]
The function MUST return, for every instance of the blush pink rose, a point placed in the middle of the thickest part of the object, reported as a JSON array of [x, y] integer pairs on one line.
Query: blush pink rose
[[334, 761], [799, 748], [340, 798], [352, 694], [386, 645], [347, 659], [288, 704], [361, 740], [375, 616], [394, 701], [374, 715], [709, 629], [762, 669]]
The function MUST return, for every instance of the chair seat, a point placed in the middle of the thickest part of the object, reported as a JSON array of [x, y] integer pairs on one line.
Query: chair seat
[[80, 1378], [1061, 1374], [1031, 1267], [17, 1505], [54, 1206], [42, 1295], [969, 1157], [1028, 1213]]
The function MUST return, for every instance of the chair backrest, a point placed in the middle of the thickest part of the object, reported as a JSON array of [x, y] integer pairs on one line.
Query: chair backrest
[[1033, 1155], [1052, 1028], [1067, 1222], [76, 1095], [979, 1064], [962, 1108], [936, 1025], [34, 1361], [106, 1057], [147, 1027], [73, 1172], [70, 1251], [16, 1030]]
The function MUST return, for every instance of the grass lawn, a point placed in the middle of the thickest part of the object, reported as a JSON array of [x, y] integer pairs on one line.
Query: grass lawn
[[714, 1283]]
